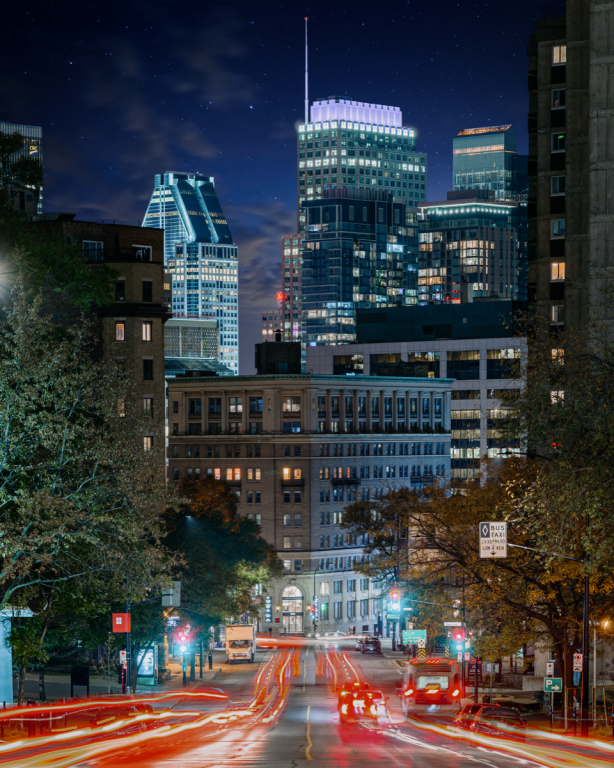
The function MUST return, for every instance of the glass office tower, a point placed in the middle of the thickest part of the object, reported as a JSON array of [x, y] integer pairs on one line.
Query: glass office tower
[[32, 147], [487, 158], [469, 248], [360, 250], [200, 255], [356, 145]]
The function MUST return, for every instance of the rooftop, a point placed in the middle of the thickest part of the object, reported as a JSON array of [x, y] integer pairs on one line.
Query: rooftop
[[486, 129]]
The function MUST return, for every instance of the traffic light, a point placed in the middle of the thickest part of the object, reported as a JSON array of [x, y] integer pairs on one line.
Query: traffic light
[[183, 638], [394, 597], [458, 637]]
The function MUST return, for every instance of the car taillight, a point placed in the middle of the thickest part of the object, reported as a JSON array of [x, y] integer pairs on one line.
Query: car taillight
[[344, 709], [433, 690], [456, 693], [409, 692], [373, 709]]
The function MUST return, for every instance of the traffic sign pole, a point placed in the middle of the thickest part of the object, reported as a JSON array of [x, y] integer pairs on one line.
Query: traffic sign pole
[[128, 652]]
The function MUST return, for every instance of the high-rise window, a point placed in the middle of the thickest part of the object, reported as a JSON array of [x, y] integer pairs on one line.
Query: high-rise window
[[559, 54], [557, 270], [147, 290], [147, 443], [147, 369], [147, 330], [120, 330]]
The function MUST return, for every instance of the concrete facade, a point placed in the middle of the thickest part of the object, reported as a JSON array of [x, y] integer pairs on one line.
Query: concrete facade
[[296, 450], [571, 55], [478, 374]]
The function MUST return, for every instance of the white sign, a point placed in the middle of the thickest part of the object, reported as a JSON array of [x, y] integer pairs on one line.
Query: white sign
[[172, 596], [453, 623], [493, 540], [459, 657], [495, 669], [487, 667], [549, 668], [410, 625], [467, 656], [577, 662], [122, 657], [421, 643]]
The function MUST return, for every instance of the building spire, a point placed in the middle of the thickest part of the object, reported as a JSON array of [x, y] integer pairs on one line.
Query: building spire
[[306, 76]]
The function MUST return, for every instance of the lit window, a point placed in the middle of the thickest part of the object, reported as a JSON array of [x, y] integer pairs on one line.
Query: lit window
[[218, 473], [558, 356], [558, 142], [147, 331], [557, 314], [557, 270], [147, 443], [297, 474], [557, 396], [237, 473], [559, 54], [257, 473], [120, 330], [250, 474], [121, 409], [287, 542], [286, 473], [558, 98]]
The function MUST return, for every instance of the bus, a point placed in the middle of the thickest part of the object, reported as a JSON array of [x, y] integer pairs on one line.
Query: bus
[[431, 682]]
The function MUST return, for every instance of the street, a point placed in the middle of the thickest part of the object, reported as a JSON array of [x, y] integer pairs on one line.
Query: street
[[298, 722]]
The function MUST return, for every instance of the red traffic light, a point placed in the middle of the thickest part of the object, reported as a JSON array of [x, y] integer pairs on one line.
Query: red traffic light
[[458, 634]]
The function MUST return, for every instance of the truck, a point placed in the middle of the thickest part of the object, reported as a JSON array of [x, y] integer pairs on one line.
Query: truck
[[240, 642], [431, 682]]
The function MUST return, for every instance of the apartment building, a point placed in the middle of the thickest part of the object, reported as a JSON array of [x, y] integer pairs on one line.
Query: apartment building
[[297, 449]]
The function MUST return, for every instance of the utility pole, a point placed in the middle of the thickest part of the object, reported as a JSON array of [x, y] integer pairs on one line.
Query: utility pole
[[306, 76], [128, 652]]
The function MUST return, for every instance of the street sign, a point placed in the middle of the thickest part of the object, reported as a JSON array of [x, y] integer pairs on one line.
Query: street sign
[[577, 662], [172, 595], [459, 657], [277, 621], [493, 540], [487, 667], [549, 668], [411, 636], [467, 656], [122, 657], [553, 684], [268, 609], [393, 616], [121, 622], [421, 643], [453, 623], [495, 669]]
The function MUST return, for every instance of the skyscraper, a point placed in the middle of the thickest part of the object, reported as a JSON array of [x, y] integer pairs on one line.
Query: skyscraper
[[32, 147], [469, 242], [360, 250], [200, 255], [487, 158], [357, 145], [291, 285]]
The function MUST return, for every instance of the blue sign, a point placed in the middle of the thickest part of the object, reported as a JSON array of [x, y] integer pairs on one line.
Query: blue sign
[[268, 609]]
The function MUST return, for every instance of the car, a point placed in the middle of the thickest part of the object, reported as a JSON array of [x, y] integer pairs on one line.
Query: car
[[360, 639], [371, 704], [465, 717], [504, 722], [371, 645]]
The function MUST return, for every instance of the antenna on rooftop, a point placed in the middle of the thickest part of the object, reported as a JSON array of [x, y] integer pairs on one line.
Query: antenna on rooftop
[[306, 76]]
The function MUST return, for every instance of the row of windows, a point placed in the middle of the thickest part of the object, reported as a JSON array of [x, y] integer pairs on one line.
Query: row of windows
[[325, 450], [338, 585], [377, 449], [215, 451], [361, 405], [120, 331]]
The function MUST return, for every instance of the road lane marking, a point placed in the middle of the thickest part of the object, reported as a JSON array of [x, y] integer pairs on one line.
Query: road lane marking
[[310, 745]]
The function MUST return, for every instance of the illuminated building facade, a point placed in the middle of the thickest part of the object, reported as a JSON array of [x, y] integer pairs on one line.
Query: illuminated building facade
[[360, 250], [199, 254], [356, 145], [487, 158], [32, 202], [469, 248], [291, 287]]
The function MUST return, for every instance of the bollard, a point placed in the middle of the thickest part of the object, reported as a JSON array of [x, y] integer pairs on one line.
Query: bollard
[[210, 659]]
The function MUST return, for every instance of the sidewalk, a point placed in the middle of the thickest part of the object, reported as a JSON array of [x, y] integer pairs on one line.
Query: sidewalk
[[58, 686]]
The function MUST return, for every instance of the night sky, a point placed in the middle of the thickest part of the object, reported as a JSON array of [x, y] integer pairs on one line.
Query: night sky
[[127, 89]]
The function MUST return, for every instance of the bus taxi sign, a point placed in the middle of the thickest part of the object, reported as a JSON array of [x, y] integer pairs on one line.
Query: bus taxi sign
[[493, 540]]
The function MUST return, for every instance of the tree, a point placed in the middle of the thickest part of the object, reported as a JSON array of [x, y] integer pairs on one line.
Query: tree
[[429, 541], [225, 556], [81, 502]]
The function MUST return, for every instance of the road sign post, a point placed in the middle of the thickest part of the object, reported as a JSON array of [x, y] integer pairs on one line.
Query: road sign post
[[493, 540], [412, 636], [553, 684]]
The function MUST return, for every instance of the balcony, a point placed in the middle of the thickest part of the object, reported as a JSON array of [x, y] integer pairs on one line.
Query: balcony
[[346, 481], [234, 483], [298, 482]]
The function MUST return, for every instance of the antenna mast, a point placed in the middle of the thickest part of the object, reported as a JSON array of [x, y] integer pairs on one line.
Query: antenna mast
[[306, 76]]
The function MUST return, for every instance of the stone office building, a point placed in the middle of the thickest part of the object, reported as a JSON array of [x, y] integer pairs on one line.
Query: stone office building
[[297, 449]]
